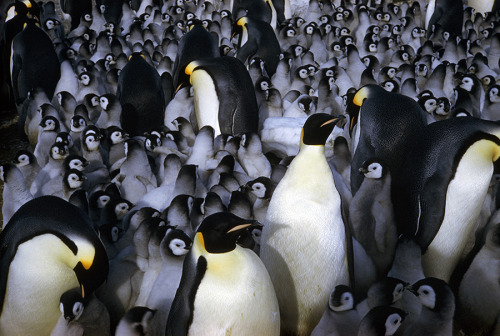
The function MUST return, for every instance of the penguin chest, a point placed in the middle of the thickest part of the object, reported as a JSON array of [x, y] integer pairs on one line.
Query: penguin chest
[[303, 242], [464, 198], [235, 297], [206, 100], [34, 286]]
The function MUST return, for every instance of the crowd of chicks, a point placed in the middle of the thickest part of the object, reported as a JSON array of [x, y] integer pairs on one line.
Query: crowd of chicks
[[147, 190]]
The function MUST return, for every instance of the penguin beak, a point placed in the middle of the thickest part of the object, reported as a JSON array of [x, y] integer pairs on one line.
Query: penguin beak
[[181, 85], [240, 227], [335, 119]]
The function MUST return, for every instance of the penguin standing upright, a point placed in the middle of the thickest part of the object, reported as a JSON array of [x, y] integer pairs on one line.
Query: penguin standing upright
[[439, 194], [257, 40], [43, 254], [303, 243], [224, 287], [224, 96], [140, 93], [384, 123], [34, 62]]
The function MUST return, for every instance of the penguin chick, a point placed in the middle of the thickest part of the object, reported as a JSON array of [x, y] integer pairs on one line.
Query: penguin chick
[[438, 307], [223, 286], [262, 188], [27, 163], [251, 158], [371, 215], [340, 317], [381, 320], [15, 192], [135, 322], [385, 292], [81, 316]]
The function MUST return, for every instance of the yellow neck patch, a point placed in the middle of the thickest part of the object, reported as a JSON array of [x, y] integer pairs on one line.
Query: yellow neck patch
[[190, 67], [361, 95]]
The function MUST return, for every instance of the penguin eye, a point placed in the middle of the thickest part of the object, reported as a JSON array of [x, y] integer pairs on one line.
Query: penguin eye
[[87, 17]]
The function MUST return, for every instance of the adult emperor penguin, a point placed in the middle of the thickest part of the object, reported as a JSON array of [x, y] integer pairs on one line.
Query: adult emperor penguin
[[257, 39], [44, 253], [303, 242], [140, 93], [224, 287], [224, 97], [449, 14], [381, 128], [435, 198], [33, 62]]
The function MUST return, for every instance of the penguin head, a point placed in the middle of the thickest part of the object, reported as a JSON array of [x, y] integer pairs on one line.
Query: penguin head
[[239, 27], [49, 123], [23, 158], [318, 127], [74, 161], [341, 299], [71, 304], [493, 94], [59, 151], [219, 232], [434, 294], [373, 169], [176, 243]]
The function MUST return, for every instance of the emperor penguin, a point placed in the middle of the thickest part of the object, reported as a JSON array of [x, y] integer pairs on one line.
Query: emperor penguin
[[43, 254], [224, 97], [304, 242], [33, 62], [141, 95], [224, 287], [381, 126], [257, 39], [435, 198]]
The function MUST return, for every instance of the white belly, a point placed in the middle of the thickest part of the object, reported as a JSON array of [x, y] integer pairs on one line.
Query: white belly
[[236, 299], [464, 199], [303, 243], [206, 102]]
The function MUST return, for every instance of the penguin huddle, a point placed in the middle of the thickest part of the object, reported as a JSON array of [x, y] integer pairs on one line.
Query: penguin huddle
[[251, 167]]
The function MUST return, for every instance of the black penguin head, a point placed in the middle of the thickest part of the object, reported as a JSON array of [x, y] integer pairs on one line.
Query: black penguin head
[[219, 232], [318, 127], [434, 294], [71, 304], [23, 158], [341, 299]]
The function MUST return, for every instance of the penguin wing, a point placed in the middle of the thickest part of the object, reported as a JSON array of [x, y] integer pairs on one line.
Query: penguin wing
[[181, 312], [431, 206]]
